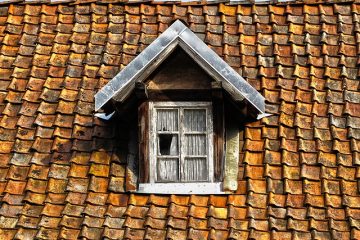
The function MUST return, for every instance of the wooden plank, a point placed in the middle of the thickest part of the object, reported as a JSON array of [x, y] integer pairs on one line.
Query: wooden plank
[[231, 166], [143, 121], [180, 95], [218, 108], [179, 71], [141, 91]]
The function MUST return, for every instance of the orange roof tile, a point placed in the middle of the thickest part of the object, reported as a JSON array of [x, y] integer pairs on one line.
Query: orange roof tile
[[62, 174]]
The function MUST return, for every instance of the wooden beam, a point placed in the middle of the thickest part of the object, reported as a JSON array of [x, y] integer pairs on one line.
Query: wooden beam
[[219, 141], [143, 126], [180, 95], [232, 151], [141, 91], [216, 85]]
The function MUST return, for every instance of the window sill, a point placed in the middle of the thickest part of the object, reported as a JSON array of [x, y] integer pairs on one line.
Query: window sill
[[182, 188]]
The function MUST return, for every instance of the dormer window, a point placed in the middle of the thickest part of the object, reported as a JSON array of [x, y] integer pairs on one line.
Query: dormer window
[[181, 142], [187, 100], [181, 148]]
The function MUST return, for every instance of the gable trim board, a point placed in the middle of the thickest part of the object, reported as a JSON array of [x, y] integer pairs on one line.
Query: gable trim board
[[120, 87]]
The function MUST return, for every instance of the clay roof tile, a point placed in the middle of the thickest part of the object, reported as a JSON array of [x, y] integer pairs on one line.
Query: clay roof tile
[[307, 68], [91, 233]]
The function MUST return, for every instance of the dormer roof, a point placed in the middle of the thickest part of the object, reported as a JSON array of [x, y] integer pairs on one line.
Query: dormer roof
[[178, 35]]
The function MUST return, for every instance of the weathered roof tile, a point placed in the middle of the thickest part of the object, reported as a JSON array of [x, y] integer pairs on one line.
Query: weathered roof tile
[[307, 68]]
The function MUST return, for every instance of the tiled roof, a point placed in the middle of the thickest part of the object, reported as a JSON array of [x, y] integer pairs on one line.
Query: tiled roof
[[182, 2], [62, 170]]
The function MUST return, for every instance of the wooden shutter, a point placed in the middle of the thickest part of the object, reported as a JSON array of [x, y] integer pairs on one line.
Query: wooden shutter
[[219, 132]]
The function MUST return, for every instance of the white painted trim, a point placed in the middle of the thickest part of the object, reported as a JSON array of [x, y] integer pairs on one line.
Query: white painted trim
[[103, 116], [152, 143], [181, 104], [182, 188], [210, 142], [263, 115]]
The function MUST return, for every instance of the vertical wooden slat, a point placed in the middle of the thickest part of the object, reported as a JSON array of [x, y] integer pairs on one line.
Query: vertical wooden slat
[[143, 121], [182, 144], [219, 125], [231, 166]]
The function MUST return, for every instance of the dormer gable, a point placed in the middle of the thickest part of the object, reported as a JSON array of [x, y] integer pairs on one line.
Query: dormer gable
[[178, 35]]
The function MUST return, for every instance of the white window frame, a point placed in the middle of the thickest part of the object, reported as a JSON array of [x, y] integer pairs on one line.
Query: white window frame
[[153, 134], [201, 187]]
